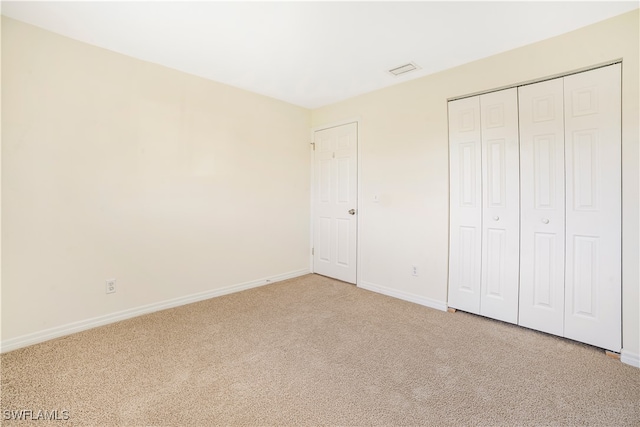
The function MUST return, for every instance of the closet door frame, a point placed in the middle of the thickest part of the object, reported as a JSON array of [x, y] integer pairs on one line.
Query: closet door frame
[[576, 322]]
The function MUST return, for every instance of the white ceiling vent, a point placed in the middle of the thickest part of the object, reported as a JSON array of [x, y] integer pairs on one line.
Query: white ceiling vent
[[403, 69]]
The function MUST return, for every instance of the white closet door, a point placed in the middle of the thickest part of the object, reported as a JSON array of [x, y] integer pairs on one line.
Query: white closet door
[[593, 205], [465, 204], [501, 206], [542, 198]]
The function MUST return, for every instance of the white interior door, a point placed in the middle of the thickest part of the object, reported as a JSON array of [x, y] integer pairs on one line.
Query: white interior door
[[465, 204], [500, 205], [335, 202], [542, 199], [593, 207]]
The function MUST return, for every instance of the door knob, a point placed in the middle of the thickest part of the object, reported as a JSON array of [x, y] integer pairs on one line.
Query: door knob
[[352, 211], [495, 218], [545, 221]]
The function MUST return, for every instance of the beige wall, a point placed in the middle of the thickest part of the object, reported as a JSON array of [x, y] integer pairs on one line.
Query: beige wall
[[117, 168], [404, 159]]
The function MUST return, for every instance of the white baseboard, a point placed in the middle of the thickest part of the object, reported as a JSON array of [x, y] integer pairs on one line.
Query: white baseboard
[[406, 296], [630, 358], [70, 328]]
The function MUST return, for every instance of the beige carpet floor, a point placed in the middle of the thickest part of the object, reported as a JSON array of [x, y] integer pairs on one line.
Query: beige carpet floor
[[315, 351]]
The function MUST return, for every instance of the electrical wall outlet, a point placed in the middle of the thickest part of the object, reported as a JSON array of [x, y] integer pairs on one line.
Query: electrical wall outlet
[[111, 286], [414, 270]]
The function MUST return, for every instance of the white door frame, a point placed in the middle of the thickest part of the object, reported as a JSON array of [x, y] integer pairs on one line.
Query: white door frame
[[330, 125]]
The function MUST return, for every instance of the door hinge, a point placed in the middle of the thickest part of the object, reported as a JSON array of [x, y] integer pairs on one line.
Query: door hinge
[[313, 251], [313, 145]]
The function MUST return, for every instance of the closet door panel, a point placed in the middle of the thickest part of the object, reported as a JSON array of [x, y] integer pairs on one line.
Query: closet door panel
[[593, 207], [500, 212], [465, 234], [542, 214]]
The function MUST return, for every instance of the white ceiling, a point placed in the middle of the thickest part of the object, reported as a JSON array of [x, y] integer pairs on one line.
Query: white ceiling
[[311, 53]]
